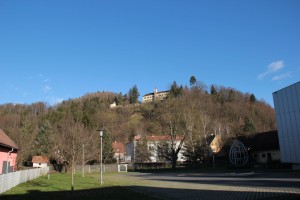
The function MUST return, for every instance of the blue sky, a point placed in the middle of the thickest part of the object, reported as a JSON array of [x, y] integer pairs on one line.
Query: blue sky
[[56, 50]]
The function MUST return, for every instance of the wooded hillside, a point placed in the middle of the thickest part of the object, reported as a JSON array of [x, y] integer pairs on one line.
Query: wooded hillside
[[60, 131]]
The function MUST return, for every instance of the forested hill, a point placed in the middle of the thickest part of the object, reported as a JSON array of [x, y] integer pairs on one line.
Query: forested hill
[[39, 129]]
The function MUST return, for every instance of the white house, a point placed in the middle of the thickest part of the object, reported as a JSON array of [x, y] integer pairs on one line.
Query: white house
[[40, 161], [113, 105], [152, 144]]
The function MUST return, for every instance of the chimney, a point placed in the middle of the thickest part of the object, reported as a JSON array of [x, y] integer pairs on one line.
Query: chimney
[[155, 90]]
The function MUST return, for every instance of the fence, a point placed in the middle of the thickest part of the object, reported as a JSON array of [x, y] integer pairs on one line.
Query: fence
[[10, 180], [96, 168]]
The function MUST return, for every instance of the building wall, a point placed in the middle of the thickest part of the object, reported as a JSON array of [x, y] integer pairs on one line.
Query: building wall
[[148, 98], [287, 108], [155, 96], [10, 158], [40, 165], [153, 150], [262, 156]]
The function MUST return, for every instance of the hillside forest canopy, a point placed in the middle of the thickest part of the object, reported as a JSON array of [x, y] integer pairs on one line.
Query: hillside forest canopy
[[194, 113]]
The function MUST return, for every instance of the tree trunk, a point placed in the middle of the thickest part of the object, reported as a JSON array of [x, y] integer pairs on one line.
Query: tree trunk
[[173, 164], [174, 159]]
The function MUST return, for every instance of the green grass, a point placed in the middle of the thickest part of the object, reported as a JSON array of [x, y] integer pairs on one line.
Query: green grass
[[59, 187]]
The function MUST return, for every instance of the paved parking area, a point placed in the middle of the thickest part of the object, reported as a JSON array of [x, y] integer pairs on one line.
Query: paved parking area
[[215, 186]]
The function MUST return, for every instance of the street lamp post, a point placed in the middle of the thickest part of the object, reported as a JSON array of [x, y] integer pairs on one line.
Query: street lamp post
[[83, 163], [101, 136]]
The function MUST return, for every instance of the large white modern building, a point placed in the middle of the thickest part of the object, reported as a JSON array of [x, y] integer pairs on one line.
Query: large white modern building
[[287, 108]]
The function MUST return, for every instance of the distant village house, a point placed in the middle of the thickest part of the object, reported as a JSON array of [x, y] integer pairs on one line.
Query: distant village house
[[119, 149], [40, 161]]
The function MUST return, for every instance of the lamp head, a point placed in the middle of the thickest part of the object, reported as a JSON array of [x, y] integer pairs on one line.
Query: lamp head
[[101, 132]]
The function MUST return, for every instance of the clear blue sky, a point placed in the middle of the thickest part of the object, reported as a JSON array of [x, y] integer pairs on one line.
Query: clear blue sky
[[56, 50]]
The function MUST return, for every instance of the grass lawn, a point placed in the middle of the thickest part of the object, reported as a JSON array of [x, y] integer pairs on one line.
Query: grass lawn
[[59, 187]]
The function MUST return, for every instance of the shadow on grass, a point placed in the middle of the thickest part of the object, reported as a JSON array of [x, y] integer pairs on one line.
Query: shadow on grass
[[139, 192], [115, 192]]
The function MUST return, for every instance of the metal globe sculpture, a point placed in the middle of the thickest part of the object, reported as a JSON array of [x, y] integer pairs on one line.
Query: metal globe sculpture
[[238, 154]]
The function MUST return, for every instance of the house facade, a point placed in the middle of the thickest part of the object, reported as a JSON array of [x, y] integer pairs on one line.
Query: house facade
[[152, 146], [8, 154], [155, 96]]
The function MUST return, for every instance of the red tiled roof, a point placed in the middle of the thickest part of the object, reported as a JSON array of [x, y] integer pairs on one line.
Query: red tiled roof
[[118, 147], [6, 141], [40, 159]]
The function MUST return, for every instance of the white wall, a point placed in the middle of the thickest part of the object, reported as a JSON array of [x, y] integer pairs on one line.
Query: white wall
[[131, 148], [40, 165], [287, 107]]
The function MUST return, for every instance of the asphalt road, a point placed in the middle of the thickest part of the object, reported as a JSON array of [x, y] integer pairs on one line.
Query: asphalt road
[[213, 186]]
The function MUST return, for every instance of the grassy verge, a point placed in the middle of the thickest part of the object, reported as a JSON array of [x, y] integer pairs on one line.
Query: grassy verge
[[59, 187]]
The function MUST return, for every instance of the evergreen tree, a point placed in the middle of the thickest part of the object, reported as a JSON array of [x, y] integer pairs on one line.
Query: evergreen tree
[[195, 151], [252, 98], [175, 91], [41, 142], [249, 126], [213, 90], [108, 150], [231, 96], [116, 100], [133, 95], [192, 80]]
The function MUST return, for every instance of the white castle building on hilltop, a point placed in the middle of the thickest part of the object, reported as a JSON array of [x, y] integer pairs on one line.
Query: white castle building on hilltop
[[155, 96]]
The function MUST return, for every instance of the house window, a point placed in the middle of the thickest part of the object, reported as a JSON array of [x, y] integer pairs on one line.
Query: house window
[[151, 148], [39, 163], [255, 156], [263, 155]]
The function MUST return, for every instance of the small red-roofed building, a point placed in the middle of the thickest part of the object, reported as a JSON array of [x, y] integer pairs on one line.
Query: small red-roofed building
[[119, 149], [40, 161], [8, 154]]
